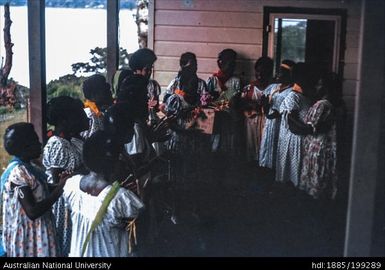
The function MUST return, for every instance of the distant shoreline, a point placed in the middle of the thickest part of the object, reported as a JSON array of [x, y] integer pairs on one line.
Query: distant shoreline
[[77, 7], [95, 4]]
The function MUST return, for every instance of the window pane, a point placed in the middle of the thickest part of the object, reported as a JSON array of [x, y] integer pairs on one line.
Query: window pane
[[76, 42], [293, 39], [128, 31]]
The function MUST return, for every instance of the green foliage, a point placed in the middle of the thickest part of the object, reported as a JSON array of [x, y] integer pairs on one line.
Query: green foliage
[[71, 85], [293, 42], [68, 85], [4, 110], [98, 62]]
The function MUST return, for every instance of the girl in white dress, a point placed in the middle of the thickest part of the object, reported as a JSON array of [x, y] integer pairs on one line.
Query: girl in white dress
[[85, 194]]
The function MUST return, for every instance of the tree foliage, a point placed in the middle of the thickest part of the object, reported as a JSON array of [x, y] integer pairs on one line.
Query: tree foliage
[[98, 62], [68, 85], [294, 41]]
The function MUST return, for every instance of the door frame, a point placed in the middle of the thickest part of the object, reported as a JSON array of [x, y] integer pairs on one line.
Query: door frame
[[337, 15]]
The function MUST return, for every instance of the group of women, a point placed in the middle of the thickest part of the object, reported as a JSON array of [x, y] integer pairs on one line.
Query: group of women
[[99, 162]]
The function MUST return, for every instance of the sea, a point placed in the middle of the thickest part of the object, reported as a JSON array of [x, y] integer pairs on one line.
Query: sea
[[70, 35]]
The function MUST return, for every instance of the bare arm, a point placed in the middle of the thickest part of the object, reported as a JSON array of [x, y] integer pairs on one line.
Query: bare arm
[[35, 209]]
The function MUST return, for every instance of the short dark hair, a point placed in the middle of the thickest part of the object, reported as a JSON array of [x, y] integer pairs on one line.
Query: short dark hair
[[186, 57], [15, 137], [227, 54], [142, 58], [265, 62], [95, 86], [118, 122], [67, 110], [119, 76], [100, 152], [133, 92], [306, 76]]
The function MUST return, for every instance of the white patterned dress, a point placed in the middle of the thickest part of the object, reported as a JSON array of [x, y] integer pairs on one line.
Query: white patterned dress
[[22, 236], [95, 123], [60, 153], [269, 142], [110, 238], [289, 154]]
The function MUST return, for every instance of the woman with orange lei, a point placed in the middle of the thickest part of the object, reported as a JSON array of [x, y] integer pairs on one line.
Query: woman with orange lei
[[268, 151], [184, 96], [253, 98], [297, 102], [98, 98]]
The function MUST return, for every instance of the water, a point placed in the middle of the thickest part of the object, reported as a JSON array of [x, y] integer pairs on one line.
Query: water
[[70, 35]]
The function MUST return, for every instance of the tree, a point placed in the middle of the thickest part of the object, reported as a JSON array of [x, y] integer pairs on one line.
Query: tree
[[293, 42], [98, 62], [7, 88], [68, 85]]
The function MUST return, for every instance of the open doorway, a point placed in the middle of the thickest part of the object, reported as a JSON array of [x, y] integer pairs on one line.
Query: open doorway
[[305, 35]]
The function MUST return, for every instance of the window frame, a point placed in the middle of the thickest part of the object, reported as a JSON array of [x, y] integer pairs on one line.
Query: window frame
[[336, 15]]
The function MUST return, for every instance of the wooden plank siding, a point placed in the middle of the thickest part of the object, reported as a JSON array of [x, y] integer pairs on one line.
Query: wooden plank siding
[[207, 27]]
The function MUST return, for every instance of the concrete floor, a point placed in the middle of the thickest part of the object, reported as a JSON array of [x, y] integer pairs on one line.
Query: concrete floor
[[250, 215]]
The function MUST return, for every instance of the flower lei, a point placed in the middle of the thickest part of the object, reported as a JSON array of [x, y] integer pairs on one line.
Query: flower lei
[[180, 92], [93, 107], [222, 79]]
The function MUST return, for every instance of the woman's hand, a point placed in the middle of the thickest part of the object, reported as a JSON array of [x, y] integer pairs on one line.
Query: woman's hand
[[160, 131]]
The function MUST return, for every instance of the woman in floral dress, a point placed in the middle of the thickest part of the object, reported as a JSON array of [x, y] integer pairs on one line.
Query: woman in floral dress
[[319, 175], [28, 227]]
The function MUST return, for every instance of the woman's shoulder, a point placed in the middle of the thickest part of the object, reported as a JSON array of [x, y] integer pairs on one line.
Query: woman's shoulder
[[73, 183], [125, 197], [323, 104], [21, 176], [173, 84]]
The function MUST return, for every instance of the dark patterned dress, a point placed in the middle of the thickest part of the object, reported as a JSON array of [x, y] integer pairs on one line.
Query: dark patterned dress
[[224, 138], [188, 145], [319, 176]]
